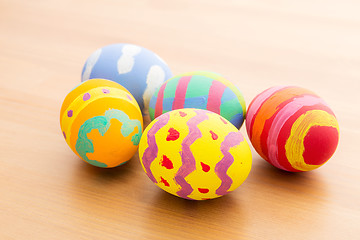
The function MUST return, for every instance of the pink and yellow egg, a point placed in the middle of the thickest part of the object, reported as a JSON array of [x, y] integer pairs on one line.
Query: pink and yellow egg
[[292, 128]]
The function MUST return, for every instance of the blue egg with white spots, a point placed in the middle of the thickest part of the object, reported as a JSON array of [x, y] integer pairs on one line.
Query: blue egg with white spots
[[138, 69]]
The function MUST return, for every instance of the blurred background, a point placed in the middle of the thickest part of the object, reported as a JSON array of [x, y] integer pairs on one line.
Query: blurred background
[[314, 44]]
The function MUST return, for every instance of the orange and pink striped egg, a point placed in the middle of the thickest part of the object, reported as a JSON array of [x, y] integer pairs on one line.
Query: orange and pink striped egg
[[292, 128]]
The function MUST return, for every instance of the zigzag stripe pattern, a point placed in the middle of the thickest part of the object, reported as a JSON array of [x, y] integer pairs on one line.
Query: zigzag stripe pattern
[[231, 140], [187, 158], [151, 152]]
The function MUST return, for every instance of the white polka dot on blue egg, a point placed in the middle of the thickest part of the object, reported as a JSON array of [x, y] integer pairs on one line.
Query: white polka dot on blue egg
[[138, 69]]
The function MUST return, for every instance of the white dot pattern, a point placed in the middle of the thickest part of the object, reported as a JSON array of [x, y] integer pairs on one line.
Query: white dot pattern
[[126, 61]]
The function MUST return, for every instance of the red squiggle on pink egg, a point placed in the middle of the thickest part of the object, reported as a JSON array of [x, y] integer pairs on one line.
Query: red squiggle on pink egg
[[215, 94]]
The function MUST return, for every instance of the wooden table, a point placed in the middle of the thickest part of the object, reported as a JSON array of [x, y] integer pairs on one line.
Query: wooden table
[[47, 192]]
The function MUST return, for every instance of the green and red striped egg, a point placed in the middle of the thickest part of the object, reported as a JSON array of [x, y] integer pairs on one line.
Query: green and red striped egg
[[194, 154], [201, 90], [292, 128]]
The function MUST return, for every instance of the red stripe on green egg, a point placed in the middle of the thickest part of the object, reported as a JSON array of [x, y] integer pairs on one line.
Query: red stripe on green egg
[[180, 92], [214, 96], [199, 86], [197, 94], [165, 95], [159, 102], [201, 90]]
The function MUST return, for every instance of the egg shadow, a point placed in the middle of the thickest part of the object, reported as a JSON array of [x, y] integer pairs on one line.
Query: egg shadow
[[167, 213], [103, 183], [310, 183], [104, 175], [192, 208]]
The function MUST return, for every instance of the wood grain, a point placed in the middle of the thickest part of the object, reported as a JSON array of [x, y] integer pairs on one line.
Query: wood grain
[[46, 192]]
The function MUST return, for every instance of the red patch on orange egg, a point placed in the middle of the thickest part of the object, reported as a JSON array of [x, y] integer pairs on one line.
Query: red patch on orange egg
[[173, 135], [166, 162]]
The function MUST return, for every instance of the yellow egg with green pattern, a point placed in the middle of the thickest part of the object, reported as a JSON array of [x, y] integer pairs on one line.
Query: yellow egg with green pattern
[[194, 154], [101, 122]]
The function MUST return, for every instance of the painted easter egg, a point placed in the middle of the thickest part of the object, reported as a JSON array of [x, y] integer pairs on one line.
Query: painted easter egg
[[101, 122], [292, 128], [138, 69], [194, 154], [202, 90]]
